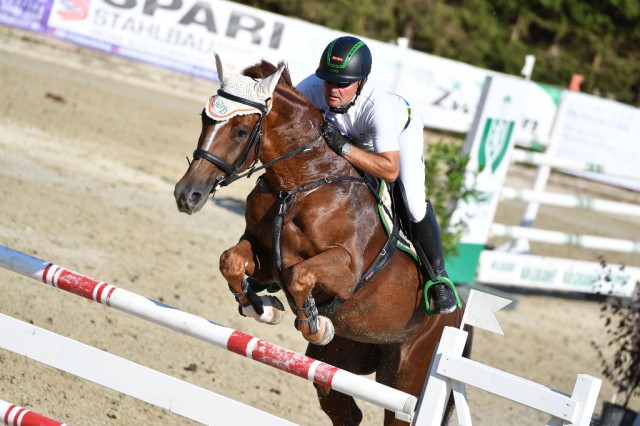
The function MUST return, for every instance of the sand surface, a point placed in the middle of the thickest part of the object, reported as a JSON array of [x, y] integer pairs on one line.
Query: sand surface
[[92, 146]]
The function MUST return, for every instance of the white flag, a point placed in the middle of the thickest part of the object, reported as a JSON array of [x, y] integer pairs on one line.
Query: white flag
[[480, 310]]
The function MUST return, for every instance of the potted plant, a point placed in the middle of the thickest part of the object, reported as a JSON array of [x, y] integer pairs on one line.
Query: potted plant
[[621, 361]]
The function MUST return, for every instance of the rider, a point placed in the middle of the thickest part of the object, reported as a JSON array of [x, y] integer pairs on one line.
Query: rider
[[384, 139]]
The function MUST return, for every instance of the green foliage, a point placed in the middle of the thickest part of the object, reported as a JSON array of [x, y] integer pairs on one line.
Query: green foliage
[[445, 183], [600, 40]]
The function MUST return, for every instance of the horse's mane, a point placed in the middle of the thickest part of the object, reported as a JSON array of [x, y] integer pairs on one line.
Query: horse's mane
[[265, 68]]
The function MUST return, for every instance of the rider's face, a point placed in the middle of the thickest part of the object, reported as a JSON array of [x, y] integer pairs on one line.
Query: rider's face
[[337, 96]]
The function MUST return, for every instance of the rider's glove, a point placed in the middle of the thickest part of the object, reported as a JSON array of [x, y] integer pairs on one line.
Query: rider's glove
[[334, 139]]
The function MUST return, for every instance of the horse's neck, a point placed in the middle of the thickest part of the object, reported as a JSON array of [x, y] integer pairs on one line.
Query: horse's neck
[[316, 162], [307, 166]]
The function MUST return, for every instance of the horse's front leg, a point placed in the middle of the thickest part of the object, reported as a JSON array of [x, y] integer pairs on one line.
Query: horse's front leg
[[330, 269], [239, 263]]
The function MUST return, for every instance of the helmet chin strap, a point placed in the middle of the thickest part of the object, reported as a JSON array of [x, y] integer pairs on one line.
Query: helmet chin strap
[[344, 108]]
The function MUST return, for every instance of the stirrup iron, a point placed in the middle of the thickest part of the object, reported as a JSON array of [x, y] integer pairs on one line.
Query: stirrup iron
[[440, 280]]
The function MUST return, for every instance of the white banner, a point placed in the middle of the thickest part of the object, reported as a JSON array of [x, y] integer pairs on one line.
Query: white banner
[[548, 273], [489, 145], [183, 34], [599, 132]]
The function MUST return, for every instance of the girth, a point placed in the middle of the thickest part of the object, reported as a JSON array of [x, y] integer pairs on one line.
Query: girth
[[284, 199]]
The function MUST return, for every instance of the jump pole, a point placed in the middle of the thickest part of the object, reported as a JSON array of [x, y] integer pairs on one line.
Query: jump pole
[[536, 159], [13, 415], [124, 376], [570, 201], [556, 237], [324, 374]]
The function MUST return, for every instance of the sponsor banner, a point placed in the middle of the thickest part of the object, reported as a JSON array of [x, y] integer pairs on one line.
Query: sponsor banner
[[178, 34], [598, 132], [29, 15], [538, 272], [446, 92], [183, 34], [489, 144]]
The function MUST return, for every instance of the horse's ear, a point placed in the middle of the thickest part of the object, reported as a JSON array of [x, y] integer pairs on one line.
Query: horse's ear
[[219, 68], [268, 84]]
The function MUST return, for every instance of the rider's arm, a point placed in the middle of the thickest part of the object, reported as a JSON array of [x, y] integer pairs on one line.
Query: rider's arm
[[385, 165], [377, 124]]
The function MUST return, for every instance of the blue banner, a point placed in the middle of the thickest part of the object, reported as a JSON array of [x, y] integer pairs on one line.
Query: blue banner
[[29, 15]]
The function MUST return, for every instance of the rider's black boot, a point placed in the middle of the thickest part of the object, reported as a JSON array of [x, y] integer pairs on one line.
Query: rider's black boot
[[426, 240]]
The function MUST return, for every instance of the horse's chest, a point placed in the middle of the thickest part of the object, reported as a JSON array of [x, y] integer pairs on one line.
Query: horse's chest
[[287, 231], [284, 231]]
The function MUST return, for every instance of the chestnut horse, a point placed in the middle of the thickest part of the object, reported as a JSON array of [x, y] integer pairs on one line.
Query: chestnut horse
[[313, 228]]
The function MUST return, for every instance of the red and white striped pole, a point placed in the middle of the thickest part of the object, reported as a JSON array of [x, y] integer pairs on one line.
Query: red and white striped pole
[[399, 402], [13, 415]]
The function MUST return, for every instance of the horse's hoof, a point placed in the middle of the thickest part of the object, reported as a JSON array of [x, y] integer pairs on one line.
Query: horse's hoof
[[273, 311], [273, 304], [329, 331]]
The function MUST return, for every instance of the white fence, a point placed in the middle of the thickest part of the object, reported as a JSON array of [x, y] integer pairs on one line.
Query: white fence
[[515, 265], [449, 371]]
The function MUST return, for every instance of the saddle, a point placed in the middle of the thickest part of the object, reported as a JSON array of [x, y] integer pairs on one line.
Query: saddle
[[392, 208]]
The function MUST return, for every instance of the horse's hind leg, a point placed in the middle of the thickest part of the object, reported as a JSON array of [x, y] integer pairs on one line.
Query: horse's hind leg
[[355, 357], [405, 366]]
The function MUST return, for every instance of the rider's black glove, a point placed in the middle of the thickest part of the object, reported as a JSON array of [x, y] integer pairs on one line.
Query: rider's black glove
[[334, 138]]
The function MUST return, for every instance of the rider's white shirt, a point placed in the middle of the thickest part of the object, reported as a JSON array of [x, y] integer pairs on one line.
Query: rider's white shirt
[[373, 124]]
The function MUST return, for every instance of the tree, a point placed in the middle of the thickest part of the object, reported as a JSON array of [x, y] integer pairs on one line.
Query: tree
[[600, 40]]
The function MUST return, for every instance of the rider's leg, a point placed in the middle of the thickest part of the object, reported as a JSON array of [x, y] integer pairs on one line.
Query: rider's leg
[[426, 238], [427, 233], [424, 226]]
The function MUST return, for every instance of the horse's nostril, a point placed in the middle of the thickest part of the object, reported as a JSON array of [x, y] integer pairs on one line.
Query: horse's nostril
[[195, 198]]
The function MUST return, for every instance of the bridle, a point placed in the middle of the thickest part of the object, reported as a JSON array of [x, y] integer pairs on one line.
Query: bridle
[[254, 144]]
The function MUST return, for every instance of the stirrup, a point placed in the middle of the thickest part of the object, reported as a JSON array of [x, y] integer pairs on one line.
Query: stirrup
[[440, 285]]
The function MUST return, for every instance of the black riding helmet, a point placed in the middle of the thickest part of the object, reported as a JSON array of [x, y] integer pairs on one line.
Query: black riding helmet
[[345, 60]]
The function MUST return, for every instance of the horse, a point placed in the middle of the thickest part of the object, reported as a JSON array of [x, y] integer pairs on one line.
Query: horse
[[313, 228]]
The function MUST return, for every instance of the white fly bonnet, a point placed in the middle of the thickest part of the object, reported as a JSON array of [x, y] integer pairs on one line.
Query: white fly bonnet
[[220, 108]]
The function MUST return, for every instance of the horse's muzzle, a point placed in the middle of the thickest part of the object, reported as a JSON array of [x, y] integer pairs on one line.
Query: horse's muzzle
[[189, 199]]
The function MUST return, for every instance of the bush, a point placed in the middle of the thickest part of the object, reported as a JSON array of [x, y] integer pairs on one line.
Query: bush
[[445, 168]]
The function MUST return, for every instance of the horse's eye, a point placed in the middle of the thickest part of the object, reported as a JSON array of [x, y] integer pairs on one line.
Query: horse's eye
[[241, 133]]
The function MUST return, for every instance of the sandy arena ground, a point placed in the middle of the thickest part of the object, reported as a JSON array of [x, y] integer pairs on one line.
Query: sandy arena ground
[[92, 146]]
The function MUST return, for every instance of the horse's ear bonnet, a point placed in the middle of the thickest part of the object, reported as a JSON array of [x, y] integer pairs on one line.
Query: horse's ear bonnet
[[260, 91]]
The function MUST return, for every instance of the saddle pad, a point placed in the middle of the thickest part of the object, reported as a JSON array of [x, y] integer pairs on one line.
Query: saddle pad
[[385, 210]]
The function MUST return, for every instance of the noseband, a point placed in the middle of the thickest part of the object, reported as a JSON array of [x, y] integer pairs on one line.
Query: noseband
[[254, 144]]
